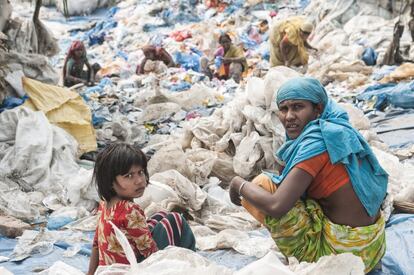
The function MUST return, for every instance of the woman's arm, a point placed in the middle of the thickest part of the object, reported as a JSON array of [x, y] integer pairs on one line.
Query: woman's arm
[[278, 203], [140, 68], [90, 71], [307, 45], [166, 58], [93, 261], [283, 47], [234, 59]]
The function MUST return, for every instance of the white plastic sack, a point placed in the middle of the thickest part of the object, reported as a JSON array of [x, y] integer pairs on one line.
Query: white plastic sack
[[33, 65], [15, 80], [273, 80], [223, 168], [247, 154], [255, 89], [61, 268], [81, 187], [189, 193], [80, 7], [238, 240], [159, 111], [5, 12], [171, 260], [268, 265], [41, 158], [205, 129], [197, 96], [341, 264], [220, 215], [400, 176], [156, 192], [33, 37], [168, 157], [200, 162], [356, 116]]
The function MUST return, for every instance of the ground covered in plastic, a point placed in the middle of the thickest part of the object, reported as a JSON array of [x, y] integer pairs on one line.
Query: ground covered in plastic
[[397, 259]]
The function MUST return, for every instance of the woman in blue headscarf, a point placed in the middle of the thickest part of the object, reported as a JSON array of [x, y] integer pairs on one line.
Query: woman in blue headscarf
[[327, 198]]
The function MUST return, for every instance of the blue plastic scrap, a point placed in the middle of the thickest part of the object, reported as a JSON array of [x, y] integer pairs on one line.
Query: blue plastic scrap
[[55, 223], [398, 95], [11, 102], [181, 86], [97, 34], [190, 61], [369, 56], [248, 43]]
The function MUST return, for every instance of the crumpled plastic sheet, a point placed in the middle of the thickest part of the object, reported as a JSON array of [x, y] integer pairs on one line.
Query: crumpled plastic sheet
[[255, 245], [37, 162], [399, 234], [398, 95], [76, 7], [394, 127], [189, 193], [369, 56], [11, 102], [33, 66], [38, 262]]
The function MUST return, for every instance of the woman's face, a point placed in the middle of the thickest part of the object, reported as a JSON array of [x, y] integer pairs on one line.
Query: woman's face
[[295, 114]]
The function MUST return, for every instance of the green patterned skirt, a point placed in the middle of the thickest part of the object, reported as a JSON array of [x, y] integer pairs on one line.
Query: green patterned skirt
[[307, 234]]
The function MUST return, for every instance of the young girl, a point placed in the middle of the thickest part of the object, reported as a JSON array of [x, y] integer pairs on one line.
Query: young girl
[[121, 175]]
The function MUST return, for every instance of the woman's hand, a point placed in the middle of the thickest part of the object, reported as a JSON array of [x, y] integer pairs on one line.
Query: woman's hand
[[234, 190]]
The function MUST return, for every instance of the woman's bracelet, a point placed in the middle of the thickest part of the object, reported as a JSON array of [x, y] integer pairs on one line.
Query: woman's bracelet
[[241, 186]]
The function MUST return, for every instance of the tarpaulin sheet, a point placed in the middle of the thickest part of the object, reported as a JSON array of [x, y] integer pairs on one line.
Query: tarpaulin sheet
[[398, 95], [399, 255], [38, 262], [63, 108]]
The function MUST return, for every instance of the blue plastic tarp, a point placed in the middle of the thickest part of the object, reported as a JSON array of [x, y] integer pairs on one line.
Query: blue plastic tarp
[[96, 35], [38, 262], [398, 95], [399, 255]]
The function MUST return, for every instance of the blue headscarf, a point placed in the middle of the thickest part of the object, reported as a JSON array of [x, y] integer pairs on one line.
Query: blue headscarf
[[333, 133]]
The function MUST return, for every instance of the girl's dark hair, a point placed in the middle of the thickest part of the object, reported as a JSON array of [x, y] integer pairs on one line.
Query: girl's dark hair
[[116, 159], [224, 36]]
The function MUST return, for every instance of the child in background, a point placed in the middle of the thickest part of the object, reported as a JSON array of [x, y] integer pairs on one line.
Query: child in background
[[121, 175]]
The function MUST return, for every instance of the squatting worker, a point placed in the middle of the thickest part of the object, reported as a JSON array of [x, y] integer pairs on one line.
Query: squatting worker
[[231, 61], [288, 42], [73, 66], [154, 53], [327, 197]]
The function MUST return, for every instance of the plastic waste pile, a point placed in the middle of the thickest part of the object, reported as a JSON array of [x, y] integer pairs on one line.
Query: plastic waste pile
[[198, 133]]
